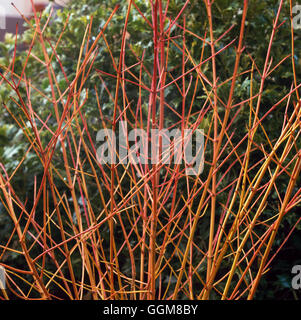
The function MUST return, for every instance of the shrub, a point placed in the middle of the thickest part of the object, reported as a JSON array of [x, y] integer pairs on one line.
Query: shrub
[[146, 231]]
